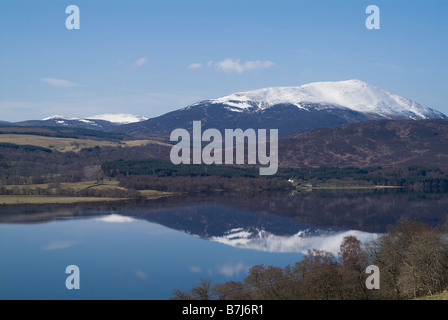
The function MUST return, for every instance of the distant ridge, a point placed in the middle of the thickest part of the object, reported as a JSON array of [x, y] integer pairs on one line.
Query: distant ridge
[[288, 109], [99, 122]]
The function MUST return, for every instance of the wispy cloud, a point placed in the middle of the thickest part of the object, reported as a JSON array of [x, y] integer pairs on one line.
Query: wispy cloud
[[140, 274], [234, 66], [58, 245], [195, 66], [140, 62], [230, 65], [60, 83], [195, 269], [230, 270]]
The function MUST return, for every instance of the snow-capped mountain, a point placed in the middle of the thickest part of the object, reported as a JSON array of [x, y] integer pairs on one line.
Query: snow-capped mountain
[[99, 122], [290, 109], [352, 94], [119, 118]]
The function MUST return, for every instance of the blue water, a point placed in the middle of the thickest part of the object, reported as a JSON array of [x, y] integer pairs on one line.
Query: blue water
[[146, 250], [127, 260]]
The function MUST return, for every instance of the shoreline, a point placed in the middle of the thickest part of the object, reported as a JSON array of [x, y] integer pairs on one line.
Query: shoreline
[[355, 188], [37, 200], [21, 200]]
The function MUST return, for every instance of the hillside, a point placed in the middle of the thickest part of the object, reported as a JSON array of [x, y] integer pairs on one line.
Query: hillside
[[66, 144], [369, 143]]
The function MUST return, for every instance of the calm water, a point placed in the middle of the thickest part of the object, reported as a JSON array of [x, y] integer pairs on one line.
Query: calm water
[[144, 251]]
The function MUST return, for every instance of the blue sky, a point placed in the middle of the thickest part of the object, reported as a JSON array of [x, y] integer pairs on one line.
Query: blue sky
[[152, 57]]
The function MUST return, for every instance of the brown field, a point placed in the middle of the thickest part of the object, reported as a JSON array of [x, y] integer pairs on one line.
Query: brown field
[[77, 187], [442, 296], [26, 130], [68, 144], [154, 194], [9, 200]]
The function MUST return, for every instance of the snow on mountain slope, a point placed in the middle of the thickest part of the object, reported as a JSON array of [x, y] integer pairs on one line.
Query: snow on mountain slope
[[118, 118], [58, 117], [352, 94]]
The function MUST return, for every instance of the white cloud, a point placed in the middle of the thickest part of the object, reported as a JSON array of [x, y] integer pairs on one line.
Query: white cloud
[[59, 83], [140, 62], [231, 65], [195, 66]]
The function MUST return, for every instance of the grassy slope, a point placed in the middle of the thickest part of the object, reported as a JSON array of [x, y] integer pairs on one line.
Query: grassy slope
[[442, 296], [9, 200], [77, 186], [67, 144]]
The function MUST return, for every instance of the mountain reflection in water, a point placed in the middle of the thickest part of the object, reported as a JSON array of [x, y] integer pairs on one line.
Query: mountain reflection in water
[[273, 223]]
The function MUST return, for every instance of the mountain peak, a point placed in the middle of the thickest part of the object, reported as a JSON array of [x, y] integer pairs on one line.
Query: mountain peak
[[351, 94], [290, 109]]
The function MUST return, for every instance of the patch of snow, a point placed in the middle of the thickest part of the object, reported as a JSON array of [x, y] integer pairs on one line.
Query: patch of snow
[[87, 121], [58, 117]]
